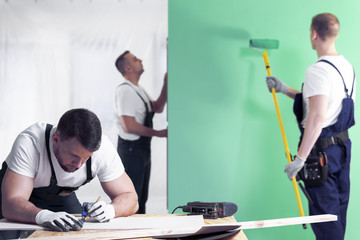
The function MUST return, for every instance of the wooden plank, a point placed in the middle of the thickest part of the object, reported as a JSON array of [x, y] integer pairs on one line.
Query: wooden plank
[[287, 221]]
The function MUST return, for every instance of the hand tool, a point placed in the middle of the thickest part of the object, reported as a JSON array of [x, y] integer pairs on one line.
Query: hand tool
[[274, 44], [86, 207]]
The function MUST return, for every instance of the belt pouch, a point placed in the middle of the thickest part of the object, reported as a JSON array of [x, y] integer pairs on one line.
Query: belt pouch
[[315, 170]]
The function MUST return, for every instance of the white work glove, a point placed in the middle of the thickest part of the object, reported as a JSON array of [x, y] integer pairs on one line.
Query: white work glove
[[58, 221], [273, 82], [102, 211], [294, 167]]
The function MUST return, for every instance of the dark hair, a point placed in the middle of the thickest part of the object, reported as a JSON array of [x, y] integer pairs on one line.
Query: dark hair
[[121, 62], [326, 25], [82, 124]]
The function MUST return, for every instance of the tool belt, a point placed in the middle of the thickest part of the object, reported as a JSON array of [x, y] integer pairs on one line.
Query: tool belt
[[316, 168], [339, 138]]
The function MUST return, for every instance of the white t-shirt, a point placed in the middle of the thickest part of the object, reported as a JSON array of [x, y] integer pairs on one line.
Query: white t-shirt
[[128, 103], [322, 79], [29, 157]]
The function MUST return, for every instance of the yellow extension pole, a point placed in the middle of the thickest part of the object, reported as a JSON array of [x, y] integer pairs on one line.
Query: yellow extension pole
[[296, 189]]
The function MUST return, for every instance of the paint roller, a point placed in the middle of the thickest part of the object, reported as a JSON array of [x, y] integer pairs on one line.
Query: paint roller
[[259, 44]]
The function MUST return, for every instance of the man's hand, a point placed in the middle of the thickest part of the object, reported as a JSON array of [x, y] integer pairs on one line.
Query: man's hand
[[101, 211], [165, 78], [273, 82], [294, 167], [58, 221], [162, 133]]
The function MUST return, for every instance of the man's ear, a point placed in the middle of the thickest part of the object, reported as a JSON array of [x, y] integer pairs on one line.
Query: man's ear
[[56, 137], [314, 35], [128, 68]]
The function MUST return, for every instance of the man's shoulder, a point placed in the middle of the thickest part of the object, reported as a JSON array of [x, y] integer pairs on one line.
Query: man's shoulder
[[126, 88], [326, 62], [36, 127], [130, 93], [107, 163], [35, 131], [26, 150], [319, 69], [105, 147], [32, 138]]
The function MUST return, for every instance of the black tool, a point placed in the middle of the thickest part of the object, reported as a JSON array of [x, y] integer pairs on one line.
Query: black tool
[[210, 210]]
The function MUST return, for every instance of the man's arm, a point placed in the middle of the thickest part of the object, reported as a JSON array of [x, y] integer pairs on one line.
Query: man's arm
[[313, 127], [158, 105], [122, 194], [131, 126], [274, 82], [317, 113], [291, 92], [16, 191]]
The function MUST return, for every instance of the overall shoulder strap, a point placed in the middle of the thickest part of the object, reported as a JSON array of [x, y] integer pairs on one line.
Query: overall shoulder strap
[[47, 143], [89, 176], [345, 88], [147, 109]]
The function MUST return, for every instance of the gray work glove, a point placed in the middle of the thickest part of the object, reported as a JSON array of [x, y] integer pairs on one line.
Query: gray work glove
[[294, 167], [101, 211], [273, 82], [58, 221]]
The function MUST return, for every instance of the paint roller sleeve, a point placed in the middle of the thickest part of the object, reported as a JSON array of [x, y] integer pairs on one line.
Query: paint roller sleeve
[[265, 43]]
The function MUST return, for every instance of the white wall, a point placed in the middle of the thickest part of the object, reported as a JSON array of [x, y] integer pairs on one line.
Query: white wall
[[60, 54]]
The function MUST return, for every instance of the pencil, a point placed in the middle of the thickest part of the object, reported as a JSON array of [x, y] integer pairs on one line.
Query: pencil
[[86, 209]]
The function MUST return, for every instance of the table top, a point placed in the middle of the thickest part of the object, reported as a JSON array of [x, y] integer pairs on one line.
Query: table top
[[42, 233]]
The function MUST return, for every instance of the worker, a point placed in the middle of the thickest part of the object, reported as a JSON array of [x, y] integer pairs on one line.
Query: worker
[[134, 111], [325, 111], [48, 163]]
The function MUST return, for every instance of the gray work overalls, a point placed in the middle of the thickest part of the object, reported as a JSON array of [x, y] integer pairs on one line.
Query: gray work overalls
[[136, 158]]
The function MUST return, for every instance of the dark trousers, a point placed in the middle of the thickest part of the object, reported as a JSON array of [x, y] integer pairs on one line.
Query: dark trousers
[[333, 196], [137, 162]]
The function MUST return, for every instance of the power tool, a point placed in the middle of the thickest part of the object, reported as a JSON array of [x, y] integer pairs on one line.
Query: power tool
[[210, 210]]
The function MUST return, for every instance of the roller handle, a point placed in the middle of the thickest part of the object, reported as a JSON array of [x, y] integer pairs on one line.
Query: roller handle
[[267, 63], [288, 156]]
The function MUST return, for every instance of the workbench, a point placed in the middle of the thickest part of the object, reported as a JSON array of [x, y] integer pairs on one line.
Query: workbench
[[41, 233]]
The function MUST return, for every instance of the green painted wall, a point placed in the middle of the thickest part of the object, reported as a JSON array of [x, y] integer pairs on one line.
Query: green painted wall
[[224, 138]]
